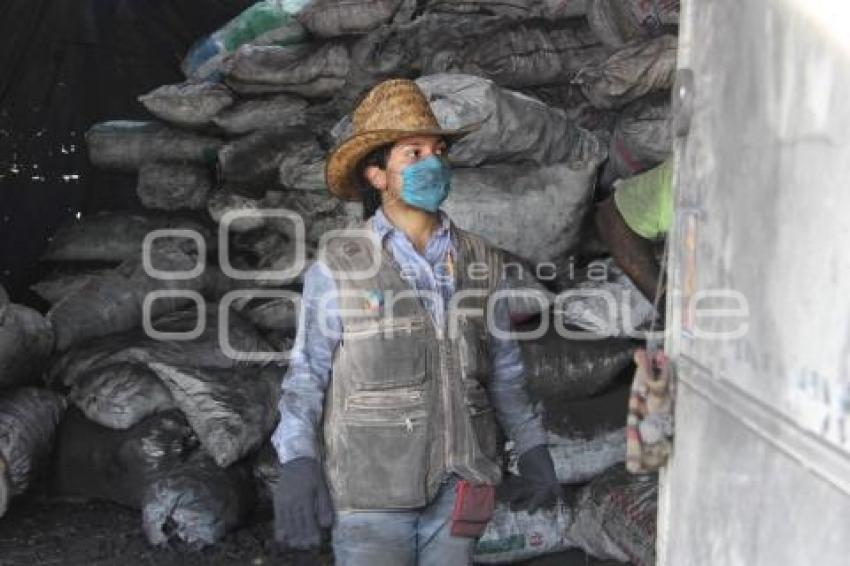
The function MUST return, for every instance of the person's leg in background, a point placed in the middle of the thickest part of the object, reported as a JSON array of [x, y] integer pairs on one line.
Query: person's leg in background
[[375, 538], [436, 545]]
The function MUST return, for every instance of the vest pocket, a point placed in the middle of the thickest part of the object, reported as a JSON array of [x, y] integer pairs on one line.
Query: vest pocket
[[386, 459], [386, 353], [473, 351], [483, 418]]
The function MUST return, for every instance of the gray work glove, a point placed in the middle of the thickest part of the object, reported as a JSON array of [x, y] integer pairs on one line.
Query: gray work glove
[[302, 504], [537, 485]]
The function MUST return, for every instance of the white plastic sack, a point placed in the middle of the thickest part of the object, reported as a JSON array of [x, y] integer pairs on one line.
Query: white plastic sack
[[578, 460], [512, 536]]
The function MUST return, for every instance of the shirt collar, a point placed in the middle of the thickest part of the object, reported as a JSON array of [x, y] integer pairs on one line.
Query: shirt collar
[[383, 226]]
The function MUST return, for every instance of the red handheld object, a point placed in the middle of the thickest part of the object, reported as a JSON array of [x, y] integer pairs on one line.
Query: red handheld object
[[474, 506]]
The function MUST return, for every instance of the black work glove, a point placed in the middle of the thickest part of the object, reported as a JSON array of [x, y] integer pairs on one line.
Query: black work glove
[[537, 485], [302, 504]]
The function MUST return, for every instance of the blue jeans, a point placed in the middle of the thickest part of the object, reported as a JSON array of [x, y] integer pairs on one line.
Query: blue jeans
[[402, 538]]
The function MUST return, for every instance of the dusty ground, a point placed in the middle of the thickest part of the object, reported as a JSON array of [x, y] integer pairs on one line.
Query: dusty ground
[[41, 532]]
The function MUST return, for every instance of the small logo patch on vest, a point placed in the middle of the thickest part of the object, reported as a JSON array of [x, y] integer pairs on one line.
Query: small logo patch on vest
[[374, 301]]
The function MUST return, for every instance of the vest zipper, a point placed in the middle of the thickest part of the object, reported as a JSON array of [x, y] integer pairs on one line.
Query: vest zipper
[[447, 406]]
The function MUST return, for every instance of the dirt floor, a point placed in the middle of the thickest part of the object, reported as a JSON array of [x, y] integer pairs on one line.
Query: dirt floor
[[41, 532]]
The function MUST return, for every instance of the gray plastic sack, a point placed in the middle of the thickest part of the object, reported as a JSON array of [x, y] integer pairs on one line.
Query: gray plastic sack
[[135, 346], [602, 300], [254, 159], [196, 503], [95, 462], [172, 186], [269, 313], [310, 70], [616, 517], [513, 9], [125, 145], [266, 472], [589, 417], [231, 410], [572, 369], [332, 18], [26, 340], [222, 201], [62, 282], [616, 22], [303, 167], [120, 394], [636, 69], [118, 236], [532, 211], [187, 104], [642, 138], [269, 113], [533, 53], [516, 128], [28, 419], [4, 300], [113, 302]]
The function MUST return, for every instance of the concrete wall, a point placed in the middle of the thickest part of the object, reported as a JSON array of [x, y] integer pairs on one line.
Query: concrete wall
[[761, 473]]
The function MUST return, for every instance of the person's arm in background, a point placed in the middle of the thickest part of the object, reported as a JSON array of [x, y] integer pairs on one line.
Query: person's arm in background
[[538, 485], [302, 503], [635, 255], [507, 388], [639, 212]]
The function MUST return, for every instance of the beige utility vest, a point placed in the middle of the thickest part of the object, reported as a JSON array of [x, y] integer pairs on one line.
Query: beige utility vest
[[407, 401]]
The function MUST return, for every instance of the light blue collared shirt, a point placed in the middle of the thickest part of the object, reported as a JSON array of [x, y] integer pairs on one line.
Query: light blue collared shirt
[[309, 372]]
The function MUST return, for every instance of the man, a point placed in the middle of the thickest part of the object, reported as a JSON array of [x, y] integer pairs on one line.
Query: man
[[630, 222], [407, 392], [638, 214]]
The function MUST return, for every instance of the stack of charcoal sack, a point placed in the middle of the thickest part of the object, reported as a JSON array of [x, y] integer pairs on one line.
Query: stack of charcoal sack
[[164, 326]]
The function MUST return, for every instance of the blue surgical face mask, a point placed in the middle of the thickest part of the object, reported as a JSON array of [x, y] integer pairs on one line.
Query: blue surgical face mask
[[426, 183]]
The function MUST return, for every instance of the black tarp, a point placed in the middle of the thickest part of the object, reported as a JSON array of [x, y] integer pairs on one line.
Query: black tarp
[[65, 65]]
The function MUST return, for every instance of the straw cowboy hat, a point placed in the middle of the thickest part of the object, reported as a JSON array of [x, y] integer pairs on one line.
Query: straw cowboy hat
[[392, 110]]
